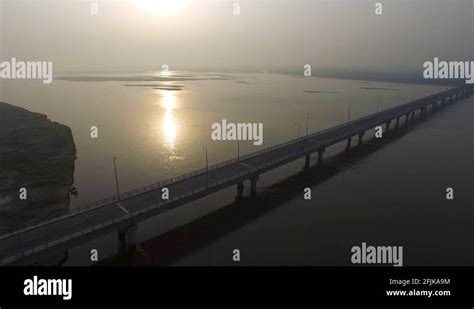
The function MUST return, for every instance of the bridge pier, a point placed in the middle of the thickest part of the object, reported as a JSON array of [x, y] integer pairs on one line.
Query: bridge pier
[[361, 136], [387, 126], [253, 187], [127, 240], [240, 191], [320, 156], [397, 123], [406, 119], [122, 242], [348, 146], [307, 161], [132, 238], [444, 102]]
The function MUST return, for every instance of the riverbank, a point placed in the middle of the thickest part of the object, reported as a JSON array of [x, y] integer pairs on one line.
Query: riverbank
[[37, 159]]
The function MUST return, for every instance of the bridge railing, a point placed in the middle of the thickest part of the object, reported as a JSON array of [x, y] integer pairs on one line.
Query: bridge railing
[[163, 183], [37, 248], [43, 246]]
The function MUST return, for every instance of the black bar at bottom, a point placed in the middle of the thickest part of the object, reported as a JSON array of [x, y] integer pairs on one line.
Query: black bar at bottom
[[277, 285]]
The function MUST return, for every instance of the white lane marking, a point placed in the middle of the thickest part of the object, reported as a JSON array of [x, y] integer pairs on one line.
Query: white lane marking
[[245, 164], [123, 208]]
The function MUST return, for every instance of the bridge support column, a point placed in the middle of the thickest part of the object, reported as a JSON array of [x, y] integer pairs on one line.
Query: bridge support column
[[406, 119], [412, 115], [348, 145], [397, 123], [320, 156], [387, 126], [306, 161], [132, 238], [240, 191], [127, 240], [122, 242], [253, 186], [361, 136]]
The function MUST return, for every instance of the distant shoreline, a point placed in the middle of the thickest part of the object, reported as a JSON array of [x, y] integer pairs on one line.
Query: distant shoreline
[[402, 78]]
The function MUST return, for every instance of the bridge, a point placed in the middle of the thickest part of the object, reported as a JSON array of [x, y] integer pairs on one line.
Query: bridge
[[122, 213]]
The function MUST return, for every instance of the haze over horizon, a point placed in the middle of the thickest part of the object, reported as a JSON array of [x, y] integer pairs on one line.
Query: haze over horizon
[[138, 34]]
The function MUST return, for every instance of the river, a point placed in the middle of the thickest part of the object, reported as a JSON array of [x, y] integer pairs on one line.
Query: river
[[394, 196]]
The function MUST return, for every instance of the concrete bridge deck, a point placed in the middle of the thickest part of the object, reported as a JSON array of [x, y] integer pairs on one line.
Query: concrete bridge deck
[[122, 214]]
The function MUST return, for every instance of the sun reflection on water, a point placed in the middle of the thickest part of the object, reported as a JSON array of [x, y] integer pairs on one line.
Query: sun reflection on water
[[168, 102]]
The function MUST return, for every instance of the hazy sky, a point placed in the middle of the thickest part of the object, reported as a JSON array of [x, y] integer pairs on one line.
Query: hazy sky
[[340, 34]]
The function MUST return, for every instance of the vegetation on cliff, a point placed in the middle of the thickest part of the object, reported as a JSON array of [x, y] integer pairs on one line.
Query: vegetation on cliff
[[38, 155]]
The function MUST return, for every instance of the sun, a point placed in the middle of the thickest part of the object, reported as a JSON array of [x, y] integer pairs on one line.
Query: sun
[[161, 7]]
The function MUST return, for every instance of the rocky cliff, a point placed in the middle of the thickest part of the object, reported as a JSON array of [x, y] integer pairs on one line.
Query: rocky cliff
[[38, 155]]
